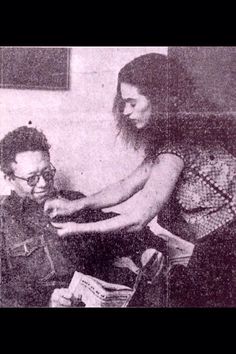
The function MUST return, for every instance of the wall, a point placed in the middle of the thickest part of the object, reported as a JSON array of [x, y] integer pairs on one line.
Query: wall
[[213, 70], [78, 123], [212, 73]]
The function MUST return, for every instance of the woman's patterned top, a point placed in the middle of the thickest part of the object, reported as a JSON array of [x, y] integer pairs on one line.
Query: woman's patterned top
[[206, 190]]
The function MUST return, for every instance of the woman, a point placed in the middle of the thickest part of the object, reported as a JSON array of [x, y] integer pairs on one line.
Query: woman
[[179, 164], [136, 111]]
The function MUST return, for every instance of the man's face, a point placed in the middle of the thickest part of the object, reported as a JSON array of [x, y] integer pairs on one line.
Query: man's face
[[29, 164]]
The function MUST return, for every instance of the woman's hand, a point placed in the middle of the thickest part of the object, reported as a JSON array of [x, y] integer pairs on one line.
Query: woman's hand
[[66, 228], [61, 298], [60, 206]]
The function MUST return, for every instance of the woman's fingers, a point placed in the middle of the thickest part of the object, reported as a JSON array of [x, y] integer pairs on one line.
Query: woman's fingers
[[58, 225], [62, 206], [66, 228], [54, 207], [51, 207]]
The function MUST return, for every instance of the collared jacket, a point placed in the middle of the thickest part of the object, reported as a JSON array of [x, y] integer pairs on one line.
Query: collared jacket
[[34, 259]]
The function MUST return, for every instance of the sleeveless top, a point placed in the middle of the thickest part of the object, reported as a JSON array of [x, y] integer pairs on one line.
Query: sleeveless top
[[206, 190]]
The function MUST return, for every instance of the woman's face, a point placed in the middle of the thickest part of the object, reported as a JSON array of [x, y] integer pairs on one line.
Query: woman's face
[[137, 107]]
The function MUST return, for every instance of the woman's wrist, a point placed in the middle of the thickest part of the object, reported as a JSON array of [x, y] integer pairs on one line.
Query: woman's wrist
[[79, 204]]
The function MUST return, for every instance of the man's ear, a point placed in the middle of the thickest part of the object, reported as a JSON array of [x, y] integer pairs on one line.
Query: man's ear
[[10, 179]]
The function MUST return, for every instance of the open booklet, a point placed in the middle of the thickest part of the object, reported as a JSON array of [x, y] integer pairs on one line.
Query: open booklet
[[94, 292]]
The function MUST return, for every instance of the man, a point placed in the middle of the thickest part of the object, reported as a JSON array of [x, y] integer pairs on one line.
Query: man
[[34, 260]]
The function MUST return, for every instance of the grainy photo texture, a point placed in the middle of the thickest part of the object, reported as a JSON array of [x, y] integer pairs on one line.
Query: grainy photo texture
[[118, 177]]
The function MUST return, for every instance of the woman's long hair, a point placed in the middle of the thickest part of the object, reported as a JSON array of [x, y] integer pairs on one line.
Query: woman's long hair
[[176, 109], [149, 74]]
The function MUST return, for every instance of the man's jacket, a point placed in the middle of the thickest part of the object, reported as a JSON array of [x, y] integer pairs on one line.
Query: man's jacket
[[34, 260]]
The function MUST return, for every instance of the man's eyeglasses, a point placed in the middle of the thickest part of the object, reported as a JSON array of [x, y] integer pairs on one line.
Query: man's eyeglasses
[[48, 175]]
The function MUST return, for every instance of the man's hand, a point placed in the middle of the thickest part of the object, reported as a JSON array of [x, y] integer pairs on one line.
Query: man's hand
[[66, 228], [60, 206], [61, 298]]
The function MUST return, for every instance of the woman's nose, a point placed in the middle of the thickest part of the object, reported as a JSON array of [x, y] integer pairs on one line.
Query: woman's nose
[[128, 109]]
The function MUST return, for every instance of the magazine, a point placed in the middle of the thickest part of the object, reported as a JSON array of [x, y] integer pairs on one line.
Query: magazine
[[94, 292]]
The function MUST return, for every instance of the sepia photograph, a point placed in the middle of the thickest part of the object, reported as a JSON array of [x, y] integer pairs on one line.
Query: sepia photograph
[[118, 177]]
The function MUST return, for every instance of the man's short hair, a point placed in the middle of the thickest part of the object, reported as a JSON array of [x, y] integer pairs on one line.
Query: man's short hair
[[20, 140]]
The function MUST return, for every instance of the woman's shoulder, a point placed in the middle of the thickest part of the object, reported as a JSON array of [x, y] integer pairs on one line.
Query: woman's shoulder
[[192, 152], [185, 150]]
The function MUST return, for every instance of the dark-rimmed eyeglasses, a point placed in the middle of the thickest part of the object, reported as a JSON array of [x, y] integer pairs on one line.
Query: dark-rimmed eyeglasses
[[48, 175]]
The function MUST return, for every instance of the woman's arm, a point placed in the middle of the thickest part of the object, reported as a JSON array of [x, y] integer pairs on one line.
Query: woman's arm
[[122, 190], [112, 195], [158, 188]]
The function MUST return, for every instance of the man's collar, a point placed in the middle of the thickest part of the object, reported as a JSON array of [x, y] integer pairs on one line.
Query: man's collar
[[18, 204], [15, 202]]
